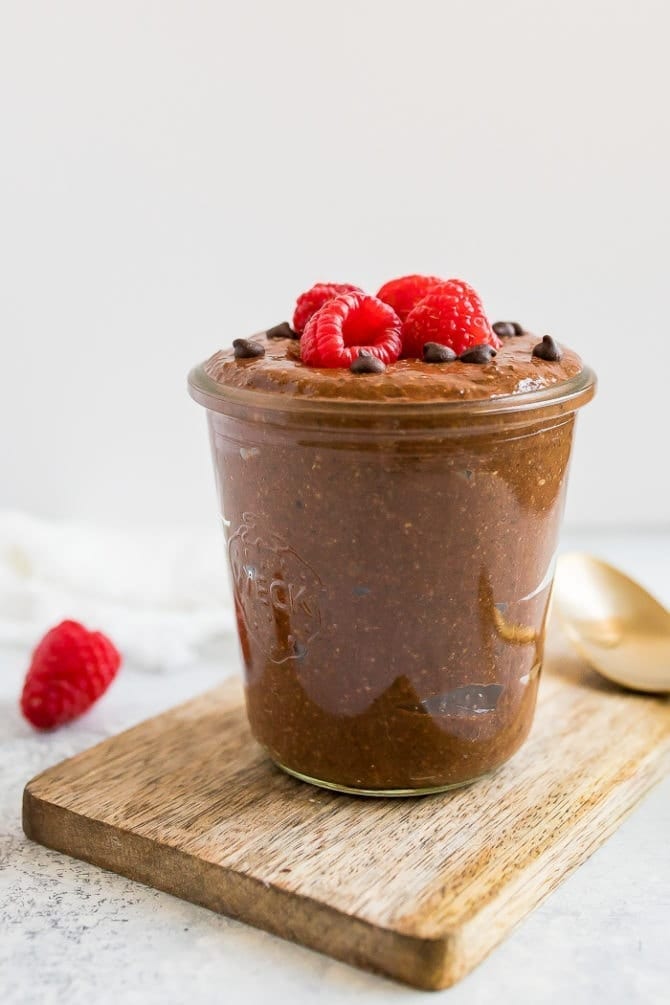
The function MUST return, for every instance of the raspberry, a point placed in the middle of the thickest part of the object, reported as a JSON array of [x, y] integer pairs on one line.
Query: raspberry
[[405, 293], [460, 288], [451, 314], [349, 323], [311, 300], [70, 668]]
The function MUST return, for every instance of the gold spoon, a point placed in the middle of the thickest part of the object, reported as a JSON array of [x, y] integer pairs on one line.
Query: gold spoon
[[616, 626]]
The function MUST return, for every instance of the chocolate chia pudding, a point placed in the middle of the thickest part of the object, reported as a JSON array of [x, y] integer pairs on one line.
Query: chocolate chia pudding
[[391, 539]]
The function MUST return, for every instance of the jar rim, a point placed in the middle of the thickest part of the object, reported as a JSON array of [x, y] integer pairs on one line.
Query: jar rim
[[576, 391]]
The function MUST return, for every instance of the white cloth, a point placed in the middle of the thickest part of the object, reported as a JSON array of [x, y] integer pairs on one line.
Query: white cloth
[[161, 596]]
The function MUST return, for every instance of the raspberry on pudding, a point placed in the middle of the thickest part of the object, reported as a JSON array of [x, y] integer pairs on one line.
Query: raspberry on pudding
[[405, 293], [345, 325], [309, 302]]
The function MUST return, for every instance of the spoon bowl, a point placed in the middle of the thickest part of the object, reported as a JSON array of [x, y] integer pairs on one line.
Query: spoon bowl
[[616, 626]]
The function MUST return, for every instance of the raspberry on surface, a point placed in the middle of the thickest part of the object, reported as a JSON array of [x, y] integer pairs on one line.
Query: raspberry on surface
[[70, 669], [347, 324], [315, 297], [404, 293], [451, 314]]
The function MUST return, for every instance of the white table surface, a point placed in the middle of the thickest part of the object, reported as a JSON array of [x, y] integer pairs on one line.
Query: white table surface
[[72, 933]]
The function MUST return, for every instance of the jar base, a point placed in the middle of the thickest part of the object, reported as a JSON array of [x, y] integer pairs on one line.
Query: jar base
[[349, 790]]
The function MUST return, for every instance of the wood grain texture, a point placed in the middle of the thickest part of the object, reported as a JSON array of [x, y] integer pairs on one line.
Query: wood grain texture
[[418, 889]]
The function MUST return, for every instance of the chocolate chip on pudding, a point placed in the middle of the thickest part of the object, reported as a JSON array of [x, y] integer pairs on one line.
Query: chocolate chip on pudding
[[548, 349], [365, 362], [507, 329], [244, 348], [282, 330], [478, 354], [434, 352]]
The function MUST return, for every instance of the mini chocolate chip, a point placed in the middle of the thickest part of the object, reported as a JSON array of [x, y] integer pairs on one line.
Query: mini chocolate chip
[[478, 354], [365, 362], [435, 352], [247, 349], [283, 330], [507, 329], [548, 349]]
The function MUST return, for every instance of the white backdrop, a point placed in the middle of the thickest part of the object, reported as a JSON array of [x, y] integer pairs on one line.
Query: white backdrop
[[173, 173]]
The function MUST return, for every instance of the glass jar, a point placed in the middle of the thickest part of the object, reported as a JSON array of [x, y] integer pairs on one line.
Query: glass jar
[[391, 566]]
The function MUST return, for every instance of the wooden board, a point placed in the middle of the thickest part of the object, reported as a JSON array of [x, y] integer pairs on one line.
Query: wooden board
[[418, 889]]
